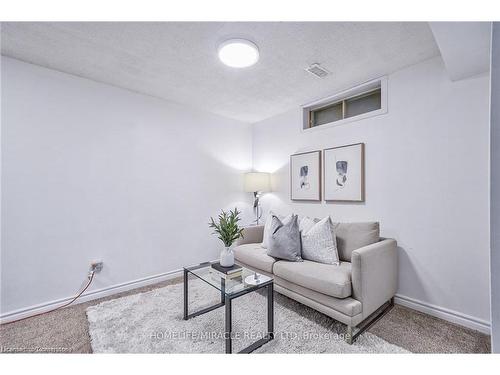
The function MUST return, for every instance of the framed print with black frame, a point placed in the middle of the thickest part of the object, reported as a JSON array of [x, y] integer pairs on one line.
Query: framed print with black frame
[[305, 176], [344, 173]]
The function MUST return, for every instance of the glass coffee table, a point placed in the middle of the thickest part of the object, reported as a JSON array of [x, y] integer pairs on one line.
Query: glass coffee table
[[229, 290]]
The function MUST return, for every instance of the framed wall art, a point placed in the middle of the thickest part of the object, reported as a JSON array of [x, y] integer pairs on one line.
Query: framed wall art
[[344, 173], [305, 176]]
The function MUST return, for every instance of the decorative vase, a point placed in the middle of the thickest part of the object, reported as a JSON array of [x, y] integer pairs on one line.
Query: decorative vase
[[227, 257]]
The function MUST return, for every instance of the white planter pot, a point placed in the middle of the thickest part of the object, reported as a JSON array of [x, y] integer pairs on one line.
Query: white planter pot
[[227, 257]]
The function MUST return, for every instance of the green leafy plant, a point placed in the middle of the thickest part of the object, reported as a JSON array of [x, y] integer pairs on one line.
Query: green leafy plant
[[226, 228]]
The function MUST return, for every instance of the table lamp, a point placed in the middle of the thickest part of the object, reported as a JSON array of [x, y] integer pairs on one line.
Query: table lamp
[[257, 183]]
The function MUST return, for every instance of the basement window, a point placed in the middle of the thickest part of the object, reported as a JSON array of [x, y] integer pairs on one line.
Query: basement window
[[360, 102]]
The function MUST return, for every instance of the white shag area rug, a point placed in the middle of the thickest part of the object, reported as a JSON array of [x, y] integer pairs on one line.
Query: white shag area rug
[[151, 322]]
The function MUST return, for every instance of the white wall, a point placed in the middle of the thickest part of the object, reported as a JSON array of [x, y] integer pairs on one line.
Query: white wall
[[95, 172], [495, 188], [426, 182], [90, 171]]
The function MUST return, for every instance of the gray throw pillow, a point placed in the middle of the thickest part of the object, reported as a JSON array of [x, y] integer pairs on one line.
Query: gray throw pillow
[[267, 227], [284, 242]]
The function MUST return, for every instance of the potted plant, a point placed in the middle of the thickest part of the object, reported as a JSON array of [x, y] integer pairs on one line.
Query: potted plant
[[227, 230]]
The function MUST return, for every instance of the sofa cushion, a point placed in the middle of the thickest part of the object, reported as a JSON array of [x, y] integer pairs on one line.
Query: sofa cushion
[[352, 236], [255, 256], [328, 279], [348, 306]]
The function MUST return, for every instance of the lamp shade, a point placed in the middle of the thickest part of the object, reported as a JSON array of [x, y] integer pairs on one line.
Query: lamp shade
[[257, 181]]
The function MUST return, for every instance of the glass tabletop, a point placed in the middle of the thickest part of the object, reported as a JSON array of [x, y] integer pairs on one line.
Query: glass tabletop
[[245, 281]]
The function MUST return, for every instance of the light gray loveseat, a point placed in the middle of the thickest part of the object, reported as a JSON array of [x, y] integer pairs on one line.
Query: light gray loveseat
[[356, 293]]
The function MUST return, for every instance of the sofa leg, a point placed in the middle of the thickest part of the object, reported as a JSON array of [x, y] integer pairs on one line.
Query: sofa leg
[[348, 335], [351, 336]]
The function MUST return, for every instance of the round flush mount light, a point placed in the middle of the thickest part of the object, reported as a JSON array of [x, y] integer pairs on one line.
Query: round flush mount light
[[238, 53]]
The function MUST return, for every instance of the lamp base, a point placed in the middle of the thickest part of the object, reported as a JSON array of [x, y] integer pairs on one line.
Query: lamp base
[[256, 206], [256, 279]]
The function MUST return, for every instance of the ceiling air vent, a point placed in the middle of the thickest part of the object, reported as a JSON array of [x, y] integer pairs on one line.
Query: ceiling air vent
[[317, 70]]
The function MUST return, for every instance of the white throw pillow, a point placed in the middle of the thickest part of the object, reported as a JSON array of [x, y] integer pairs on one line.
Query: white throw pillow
[[267, 227], [306, 223], [319, 243]]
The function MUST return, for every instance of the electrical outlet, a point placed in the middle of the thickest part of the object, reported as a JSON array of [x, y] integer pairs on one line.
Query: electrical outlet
[[96, 266]]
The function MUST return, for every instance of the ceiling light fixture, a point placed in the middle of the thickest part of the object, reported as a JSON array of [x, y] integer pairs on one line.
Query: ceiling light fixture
[[238, 53]]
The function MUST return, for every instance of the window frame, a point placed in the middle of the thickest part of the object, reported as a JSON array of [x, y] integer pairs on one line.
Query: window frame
[[364, 88]]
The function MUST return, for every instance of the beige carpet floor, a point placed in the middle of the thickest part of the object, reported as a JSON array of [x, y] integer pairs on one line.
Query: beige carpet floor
[[66, 330]]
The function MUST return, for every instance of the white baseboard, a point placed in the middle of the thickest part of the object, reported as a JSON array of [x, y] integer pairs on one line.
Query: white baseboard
[[443, 313], [88, 296]]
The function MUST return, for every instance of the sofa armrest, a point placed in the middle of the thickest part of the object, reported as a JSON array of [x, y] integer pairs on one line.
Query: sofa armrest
[[251, 234], [375, 274]]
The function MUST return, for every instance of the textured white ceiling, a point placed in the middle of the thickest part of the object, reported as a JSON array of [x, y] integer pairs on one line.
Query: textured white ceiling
[[178, 61]]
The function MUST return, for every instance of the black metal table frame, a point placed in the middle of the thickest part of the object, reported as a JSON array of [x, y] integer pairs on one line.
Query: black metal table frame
[[226, 300]]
